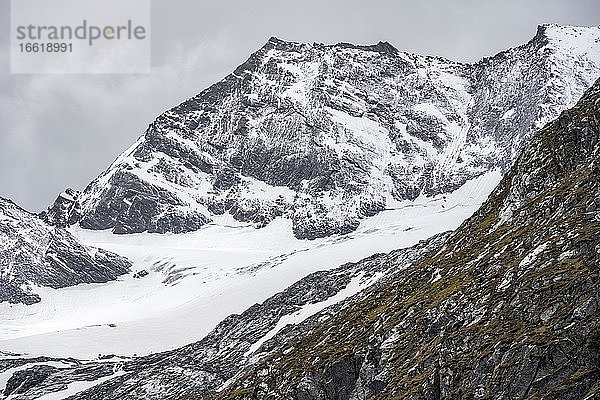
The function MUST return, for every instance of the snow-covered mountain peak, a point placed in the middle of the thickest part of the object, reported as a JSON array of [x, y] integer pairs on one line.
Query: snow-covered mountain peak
[[326, 135], [575, 48], [565, 31], [574, 60]]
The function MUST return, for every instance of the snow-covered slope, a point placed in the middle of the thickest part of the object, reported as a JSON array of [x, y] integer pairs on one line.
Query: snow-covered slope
[[197, 279], [326, 135], [35, 256]]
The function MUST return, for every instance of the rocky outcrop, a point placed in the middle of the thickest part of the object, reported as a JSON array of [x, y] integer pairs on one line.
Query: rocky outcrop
[[22, 381], [35, 253], [65, 210]]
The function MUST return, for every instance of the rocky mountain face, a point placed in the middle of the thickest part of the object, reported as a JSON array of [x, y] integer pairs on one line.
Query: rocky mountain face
[[33, 253], [328, 134], [507, 306]]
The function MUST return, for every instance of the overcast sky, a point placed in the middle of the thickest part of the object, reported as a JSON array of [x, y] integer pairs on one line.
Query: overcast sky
[[59, 131]]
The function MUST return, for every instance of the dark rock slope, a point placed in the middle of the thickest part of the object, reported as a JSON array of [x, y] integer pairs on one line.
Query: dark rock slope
[[35, 253], [508, 307], [328, 134]]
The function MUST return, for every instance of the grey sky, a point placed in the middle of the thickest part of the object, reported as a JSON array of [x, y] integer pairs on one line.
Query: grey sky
[[62, 130]]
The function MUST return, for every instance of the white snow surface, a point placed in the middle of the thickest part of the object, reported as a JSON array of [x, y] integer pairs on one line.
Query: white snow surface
[[221, 269], [197, 279]]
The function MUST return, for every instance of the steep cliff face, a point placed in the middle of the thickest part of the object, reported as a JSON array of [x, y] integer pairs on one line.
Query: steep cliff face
[[33, 253], [531, 84], [507, 307], [327, 135]]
